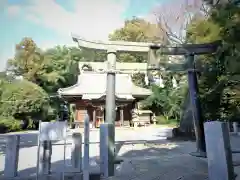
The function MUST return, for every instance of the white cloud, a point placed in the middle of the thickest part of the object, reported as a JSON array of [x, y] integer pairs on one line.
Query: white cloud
[[92, 19], [13, 10]]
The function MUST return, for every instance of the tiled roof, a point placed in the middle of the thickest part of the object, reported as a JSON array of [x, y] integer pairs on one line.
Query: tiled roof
[[92, 85]]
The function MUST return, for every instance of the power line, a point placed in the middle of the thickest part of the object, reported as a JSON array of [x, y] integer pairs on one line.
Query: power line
[[27, 100]]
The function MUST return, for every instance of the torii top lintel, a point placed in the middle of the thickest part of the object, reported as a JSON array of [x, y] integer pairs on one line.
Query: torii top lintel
[[119, 46], [185, 49], [123, 46]]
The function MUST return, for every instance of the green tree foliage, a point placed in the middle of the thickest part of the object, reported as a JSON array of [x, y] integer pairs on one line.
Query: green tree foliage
[[220, 86], [93, 55], [4, 78], [9, 124], [21, 99], [157, 100], [61, 68], [166, 101], [28, 61], [203, 31], [137, 30], [139, 79], [51, 69]]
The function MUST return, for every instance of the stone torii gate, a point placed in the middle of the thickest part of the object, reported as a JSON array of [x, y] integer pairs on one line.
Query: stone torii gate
[[107, 130], [114, 47], [188, 51]]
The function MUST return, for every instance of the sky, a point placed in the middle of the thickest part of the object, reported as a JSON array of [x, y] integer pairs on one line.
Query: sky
[[51, 22]]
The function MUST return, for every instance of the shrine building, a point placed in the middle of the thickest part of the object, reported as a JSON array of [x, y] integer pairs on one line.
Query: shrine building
[[89, 93]]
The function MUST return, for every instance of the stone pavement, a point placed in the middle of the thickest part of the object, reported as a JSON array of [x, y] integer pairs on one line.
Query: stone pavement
[[168, 161], [146, 153], [166, 168]]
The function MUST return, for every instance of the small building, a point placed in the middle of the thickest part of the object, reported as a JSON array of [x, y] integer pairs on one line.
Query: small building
[[89, 93]]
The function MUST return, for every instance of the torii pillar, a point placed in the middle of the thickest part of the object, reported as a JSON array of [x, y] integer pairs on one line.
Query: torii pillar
[[107, 130], [189, 51]]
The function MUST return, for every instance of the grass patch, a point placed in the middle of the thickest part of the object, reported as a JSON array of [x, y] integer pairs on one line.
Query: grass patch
[[163, 121]]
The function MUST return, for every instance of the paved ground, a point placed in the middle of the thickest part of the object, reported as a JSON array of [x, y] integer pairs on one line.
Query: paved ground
[[146, 153]]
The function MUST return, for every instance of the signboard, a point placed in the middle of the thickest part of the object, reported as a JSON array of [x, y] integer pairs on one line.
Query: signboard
[[50, 131], [53, 131]]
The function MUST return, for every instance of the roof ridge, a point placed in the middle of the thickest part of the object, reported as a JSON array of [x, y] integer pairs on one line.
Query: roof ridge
[[66, 88]]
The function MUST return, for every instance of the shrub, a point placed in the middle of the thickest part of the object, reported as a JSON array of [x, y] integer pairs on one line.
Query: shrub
[[23, 99], [162, 120], [8, 124]]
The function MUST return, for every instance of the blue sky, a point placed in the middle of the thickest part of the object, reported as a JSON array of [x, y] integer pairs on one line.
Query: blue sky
[[50, 22]]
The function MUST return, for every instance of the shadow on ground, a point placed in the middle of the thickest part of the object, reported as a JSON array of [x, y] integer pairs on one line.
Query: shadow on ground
[[148, 159], [30, 139], [142, 160]]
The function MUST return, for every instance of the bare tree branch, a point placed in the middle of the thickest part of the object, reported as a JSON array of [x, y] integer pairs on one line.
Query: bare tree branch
[[174, 19]]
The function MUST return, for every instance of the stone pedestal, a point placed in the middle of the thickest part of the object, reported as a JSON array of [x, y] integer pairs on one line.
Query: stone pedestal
[[107, 150], [219, 154]]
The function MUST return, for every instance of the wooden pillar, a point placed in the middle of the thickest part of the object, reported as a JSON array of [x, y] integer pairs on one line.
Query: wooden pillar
[[121, 116], [94, 117]]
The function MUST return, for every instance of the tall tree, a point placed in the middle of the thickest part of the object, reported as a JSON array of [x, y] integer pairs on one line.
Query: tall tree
[[28, 61], [221, 86], [137, 30], [61, 68], [51, 69], [174, 21]]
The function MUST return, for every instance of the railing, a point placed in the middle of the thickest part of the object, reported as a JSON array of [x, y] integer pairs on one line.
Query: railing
[[12, 155], [107, 152], [220, 163]]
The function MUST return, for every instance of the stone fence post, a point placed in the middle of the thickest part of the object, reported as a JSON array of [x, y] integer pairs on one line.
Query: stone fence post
[[77, 152], [12, 156], [107, 150], [45, 158], [219, 154]]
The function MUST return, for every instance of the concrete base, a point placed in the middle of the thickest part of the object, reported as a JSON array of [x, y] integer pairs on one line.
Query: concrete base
[[118, 161], [178, 133], [199, 154]]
